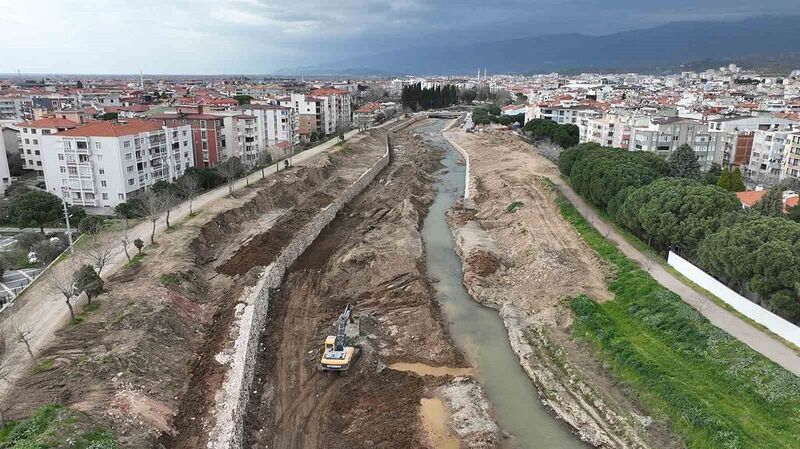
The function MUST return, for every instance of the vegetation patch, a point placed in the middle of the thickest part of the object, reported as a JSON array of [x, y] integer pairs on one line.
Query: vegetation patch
[[54, 426], [134, 262], [169, 279], [44, 365], [514, 206], [716, 391]]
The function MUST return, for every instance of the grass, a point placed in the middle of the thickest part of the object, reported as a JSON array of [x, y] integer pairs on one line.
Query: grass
[[716, 391], [44, 365], [169, 279], [135, 261], [512, 207], [52, 426]]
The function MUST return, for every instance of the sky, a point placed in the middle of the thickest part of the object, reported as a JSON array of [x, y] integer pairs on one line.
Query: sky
[[268, 36]]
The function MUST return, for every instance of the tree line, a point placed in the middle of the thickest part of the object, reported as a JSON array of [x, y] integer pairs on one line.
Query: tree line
[[565, 135], [418, 98], [672, 204]]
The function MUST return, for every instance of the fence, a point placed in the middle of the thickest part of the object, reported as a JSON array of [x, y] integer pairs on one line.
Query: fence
[[760, 315]]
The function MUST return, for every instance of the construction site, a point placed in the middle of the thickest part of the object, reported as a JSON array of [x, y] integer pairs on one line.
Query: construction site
[[342, 304]]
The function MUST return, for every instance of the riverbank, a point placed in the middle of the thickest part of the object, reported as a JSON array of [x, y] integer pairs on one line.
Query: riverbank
[[521, 258]]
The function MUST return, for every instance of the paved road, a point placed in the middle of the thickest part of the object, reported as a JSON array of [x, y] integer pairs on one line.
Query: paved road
[[771, 347], [42, 312]]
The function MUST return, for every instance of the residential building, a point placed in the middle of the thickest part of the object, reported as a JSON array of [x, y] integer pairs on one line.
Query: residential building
[[207, 135], [104, 163], [16, 108], [5, 173], [338, 111], [368, 115], [791, 161], [766, 158], [241, 137], [309, 112], [663, 135], [31, 135], [275, 124]]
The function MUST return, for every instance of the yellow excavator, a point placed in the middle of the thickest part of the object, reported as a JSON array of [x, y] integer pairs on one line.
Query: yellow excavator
[[339, 353]]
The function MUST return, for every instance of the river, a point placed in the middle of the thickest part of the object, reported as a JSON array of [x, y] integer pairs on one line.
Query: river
[[477, 330]]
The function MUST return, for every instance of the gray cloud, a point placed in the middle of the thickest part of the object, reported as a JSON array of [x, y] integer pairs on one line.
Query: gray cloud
[[260, 36]]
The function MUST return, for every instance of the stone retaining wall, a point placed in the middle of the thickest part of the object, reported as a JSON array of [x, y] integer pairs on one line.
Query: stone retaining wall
[[250, 315]]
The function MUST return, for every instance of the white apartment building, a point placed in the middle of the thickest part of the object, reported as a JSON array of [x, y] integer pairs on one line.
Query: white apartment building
[[607, 130], [31, 134], [791, 160], [104, 163], [274, 124], [766, 158], [309, 112], [664, 135], [5, 173], [561, 114], [16, 108], [338, 111], [241, 137]]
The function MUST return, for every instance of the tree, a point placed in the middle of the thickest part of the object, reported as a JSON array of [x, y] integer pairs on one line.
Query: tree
[[35, 208], [737, 185], [676, 212], [243, 99], [127, 209], [189, 186], [151, 205], [169, 195], [91, 225], [97, 252], [771, 204], [125, 238], [724, 180], [139, 244], [712, 175], [230, 170], [683, 163], [87, 280], [14, 163], [60, 281], [79, 84], [264, 160], [108, 116]]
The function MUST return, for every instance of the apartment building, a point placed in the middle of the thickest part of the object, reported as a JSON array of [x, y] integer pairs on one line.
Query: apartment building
[[663, 135], [309, 112], [732, 137], [5, 173], [338, 112], [16, 108], [241, 137], [31, 135], [563, 114], [104, 163], [275, 124], [766, 163], [791, 160], [207, 135]]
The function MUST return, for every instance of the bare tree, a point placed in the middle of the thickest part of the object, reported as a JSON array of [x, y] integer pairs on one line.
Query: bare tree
[[549, 149], [230, 170], [151, 205], [189, 186], [125, 238], [97, 252], [22, 335], [264, 159], [60, 281]]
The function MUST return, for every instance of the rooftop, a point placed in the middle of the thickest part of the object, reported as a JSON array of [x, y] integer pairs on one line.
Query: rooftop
[[57, 123], [112, 128]]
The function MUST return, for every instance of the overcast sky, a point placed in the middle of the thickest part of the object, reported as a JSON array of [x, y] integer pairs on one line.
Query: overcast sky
[[263, 36]]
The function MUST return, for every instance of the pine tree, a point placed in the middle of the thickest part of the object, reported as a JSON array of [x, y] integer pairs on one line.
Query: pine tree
[[683, 163], [737, 185], [725, 179], [771, 204]]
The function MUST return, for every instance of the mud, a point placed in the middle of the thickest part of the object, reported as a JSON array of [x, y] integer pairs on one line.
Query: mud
[[369, 256]]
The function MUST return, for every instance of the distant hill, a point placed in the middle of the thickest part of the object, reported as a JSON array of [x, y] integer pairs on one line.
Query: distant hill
[[662, 48]]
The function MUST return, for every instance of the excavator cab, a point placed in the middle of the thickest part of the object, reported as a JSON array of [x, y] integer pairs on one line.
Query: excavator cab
[[339, 353]]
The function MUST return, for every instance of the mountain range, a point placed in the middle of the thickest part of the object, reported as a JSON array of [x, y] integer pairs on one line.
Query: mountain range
[[663, 48]]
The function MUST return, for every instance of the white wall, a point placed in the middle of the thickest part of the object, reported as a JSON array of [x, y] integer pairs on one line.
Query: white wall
[[776, 324]]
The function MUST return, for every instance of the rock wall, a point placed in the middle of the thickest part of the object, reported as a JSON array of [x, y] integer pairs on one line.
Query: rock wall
[[231, 399]]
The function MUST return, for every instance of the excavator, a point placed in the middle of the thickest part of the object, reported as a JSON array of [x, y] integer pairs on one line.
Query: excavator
[[339, 353]]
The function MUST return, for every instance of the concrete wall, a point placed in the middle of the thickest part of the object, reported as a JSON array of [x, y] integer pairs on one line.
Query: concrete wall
[[231, 400], [465, 155], [774, 323]]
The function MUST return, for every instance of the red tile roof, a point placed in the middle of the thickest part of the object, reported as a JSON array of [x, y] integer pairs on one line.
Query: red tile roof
[[112, 128], [49, 123], [327, 91], [750, 197]]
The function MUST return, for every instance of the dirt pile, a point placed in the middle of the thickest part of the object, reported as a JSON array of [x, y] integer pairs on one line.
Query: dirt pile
[[370, 257], [523, 259]]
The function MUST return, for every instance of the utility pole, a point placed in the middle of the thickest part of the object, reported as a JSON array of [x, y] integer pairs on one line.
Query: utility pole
[[69, 229]]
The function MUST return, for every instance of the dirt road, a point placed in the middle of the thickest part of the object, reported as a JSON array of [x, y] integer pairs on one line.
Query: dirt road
[[370, 257]]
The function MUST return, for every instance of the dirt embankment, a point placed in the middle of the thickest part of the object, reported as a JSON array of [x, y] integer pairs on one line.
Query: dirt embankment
[[523, 259], [142, 364], [370, 257]]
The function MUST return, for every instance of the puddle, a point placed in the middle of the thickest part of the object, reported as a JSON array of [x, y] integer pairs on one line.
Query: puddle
[[434, 421], [427, 370]]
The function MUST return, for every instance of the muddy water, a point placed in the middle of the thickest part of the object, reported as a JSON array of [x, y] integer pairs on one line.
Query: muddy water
[[434, 420], [479, 330]]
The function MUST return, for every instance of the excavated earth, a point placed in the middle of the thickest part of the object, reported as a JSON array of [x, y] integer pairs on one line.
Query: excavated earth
[[142, 364], [526, 261], [370, 256]]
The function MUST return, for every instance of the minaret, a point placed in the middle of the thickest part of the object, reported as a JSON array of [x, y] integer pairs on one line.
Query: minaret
[[141, 79]]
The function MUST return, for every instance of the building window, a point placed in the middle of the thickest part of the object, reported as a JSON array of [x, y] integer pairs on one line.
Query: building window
[[33, 130], [105, 196], [60, 157], [62, 169], [120, 196], [73, 171], [99, 158], [98, 145], [28, 151], [131, 181], [126, 144], [130, 169], [45, 131], [36, 152], [28, 141], [38, 163], [103, 183], [128, 156], [102, 171]]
